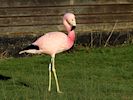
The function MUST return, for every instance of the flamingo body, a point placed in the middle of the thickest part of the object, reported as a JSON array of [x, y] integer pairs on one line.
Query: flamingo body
[[54, 42]]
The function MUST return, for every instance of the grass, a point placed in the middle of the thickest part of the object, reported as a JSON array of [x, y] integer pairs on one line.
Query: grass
[[85, 74]]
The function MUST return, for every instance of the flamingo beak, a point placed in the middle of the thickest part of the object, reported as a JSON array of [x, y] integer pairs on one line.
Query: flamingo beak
[[73, 24], [73, 27]]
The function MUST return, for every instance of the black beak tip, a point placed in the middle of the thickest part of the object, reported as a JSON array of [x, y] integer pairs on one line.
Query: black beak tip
[[73, 27]]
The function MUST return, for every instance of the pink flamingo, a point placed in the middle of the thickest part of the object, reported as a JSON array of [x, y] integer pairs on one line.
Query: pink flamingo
[[54, 42]]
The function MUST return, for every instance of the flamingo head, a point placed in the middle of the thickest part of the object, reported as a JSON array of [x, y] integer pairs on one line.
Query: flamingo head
[[70, 21]]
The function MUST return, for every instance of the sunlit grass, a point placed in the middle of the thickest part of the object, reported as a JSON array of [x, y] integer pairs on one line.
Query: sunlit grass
[[85, 74]]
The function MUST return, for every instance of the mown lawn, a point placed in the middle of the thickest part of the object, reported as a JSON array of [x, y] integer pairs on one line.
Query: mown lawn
[[84, 74]]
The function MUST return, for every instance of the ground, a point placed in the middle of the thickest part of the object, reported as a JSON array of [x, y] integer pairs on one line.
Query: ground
[[84, 74]]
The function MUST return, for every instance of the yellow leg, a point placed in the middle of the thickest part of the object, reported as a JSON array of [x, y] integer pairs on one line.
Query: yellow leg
[[55, 76], [49, 88]]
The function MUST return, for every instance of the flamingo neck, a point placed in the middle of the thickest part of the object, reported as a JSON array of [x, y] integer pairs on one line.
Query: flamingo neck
[[71, 35], [67, 26]]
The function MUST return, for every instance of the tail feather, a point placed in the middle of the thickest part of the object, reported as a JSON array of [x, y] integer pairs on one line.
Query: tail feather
[[30, 49], [22, 52]]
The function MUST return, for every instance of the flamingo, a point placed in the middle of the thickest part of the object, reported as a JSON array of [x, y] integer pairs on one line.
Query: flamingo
[[53, 43]]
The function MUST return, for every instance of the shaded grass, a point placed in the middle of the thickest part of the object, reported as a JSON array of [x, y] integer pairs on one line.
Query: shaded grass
[[85, 74]]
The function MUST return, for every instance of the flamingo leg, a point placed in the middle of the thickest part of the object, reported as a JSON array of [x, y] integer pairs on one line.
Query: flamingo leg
[[55, 76], [50, 68]]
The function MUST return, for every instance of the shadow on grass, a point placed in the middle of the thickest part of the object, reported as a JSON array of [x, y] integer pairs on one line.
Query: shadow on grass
[[4, 78], [20, 83]]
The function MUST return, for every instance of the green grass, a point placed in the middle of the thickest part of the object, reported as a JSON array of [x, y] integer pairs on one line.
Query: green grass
[[85, 74]]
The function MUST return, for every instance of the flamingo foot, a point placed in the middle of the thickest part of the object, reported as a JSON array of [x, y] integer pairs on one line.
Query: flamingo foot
[[59, 92], [49, 90]]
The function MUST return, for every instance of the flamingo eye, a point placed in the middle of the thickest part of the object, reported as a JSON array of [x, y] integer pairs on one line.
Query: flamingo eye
[[73, 20]]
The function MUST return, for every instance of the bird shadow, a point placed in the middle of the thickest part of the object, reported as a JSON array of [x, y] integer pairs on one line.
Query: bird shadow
[[4, 78], [20, 83]]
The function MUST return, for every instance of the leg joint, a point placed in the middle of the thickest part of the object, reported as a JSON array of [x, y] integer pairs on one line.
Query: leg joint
[[50, 67], [53, 69]]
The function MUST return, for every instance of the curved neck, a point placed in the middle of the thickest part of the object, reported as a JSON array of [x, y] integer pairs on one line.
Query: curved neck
[[67, 26], [71, 35]]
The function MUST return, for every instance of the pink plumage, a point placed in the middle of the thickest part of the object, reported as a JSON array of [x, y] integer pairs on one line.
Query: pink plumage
[[54, 42]]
